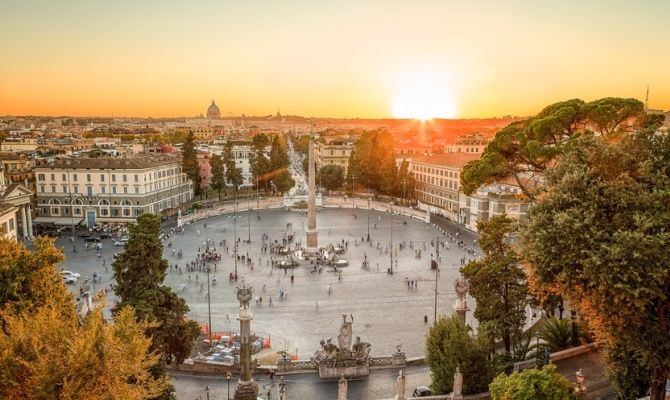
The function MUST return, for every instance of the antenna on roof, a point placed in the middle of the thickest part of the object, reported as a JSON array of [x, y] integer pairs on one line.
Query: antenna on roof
[[646, 99]]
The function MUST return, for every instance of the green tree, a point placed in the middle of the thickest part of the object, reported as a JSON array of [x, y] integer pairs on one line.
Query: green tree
[[140, 272], [190, 163], [497, 282], [406, 180], [46, 351], [599, 237], [532, 384], [259, 162], [279, 163], [449, 345], [331, 176], [302, 145], [233, 174], [218, 174], [524, 150], [372, 162]]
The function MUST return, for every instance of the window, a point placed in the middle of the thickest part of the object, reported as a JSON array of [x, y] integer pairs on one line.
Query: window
[[113, 178], [88, 177], [114, 189], [102, 189], [64, 189], [53, 177], [137, 190], [126, 212], [62, 177], [89, 191], [11, 224], [74, 177], [42, 189], [125, 190], [102, 177], [125, 178], [76, 189], [136, 178], [40, 177]]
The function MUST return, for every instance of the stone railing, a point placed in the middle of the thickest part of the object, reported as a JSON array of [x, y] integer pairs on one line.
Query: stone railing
[[559, 355], [289, 366]]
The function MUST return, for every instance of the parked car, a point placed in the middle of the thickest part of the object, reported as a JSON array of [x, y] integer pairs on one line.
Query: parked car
[[422, 391], [69, 277], [121, 242], [94, 239], [105, 235]]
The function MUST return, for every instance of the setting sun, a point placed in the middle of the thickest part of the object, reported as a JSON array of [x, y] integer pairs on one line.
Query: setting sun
[[423, 99]]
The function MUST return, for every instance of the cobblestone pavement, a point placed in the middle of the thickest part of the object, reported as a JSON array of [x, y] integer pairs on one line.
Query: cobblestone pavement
[[379, 385], [386, 313]]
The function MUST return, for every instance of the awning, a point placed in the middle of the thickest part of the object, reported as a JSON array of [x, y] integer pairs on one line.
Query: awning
[[61, 221]]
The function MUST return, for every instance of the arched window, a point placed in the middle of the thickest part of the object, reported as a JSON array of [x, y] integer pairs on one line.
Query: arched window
[[104, 207], [54, 206]]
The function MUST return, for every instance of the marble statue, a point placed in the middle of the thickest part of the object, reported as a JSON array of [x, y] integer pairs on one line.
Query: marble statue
[[461, 286], [342, 389], [344, 337], [361, 350], [400, 387], [458, 383]]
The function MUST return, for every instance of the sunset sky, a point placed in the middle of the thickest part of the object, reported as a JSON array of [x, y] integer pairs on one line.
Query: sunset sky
[[328, 58]]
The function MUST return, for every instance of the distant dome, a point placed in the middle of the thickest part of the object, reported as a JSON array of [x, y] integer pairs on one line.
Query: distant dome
[[213, 111]]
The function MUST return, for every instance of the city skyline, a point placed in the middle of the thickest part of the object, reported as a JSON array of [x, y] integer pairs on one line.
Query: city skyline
[[347, 60]]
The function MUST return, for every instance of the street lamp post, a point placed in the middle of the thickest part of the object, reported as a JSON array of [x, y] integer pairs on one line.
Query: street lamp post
[[228, 376], [235, 234], [249, 218], [369, 207], [391, 208], [209, 310], [352, 195], [437, 273]]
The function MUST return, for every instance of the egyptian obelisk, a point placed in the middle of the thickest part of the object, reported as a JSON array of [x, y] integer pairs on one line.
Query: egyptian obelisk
[[312, 241]]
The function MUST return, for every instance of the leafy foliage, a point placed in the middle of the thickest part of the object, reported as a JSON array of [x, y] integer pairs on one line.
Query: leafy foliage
[[449, 345], [497, 282], [372, 163], [532, 384], [331, 176], [46, 352], [233, 174], [218, 174], [279, 163], [259, 162], [189, 163], [524, 150], [140, 271], [599, 237]]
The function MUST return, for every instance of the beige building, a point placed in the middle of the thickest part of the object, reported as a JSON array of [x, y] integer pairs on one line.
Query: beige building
[[490, 201], [474, 143], [15, 201], [438, 182], [74, 190], [335, 151]]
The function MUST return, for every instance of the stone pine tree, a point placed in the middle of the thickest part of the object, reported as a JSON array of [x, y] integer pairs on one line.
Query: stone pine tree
[[497, 281], [189, 163], [233, 174], [528, 148], [140, 271], [599, 237], [450, 345], [218, 174]]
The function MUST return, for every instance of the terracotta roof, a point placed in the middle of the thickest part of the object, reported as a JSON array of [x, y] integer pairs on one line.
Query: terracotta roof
[[140, 162], [457, 160]]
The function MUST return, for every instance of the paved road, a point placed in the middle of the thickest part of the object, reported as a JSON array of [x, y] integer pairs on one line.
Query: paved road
[[386, 313], [379, 385]]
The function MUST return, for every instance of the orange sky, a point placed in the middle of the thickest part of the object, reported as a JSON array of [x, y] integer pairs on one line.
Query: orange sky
[[337, 59]]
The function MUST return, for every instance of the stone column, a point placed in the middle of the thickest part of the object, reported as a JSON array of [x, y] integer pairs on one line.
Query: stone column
[[342, 389], [24, 222], [30, 222], [246, 388], [312, 240]]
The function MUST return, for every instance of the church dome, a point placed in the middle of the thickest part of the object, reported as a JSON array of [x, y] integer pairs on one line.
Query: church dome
[[213, 111]]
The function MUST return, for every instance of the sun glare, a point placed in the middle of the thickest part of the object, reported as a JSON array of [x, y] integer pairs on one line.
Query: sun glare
[[421, 99]]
